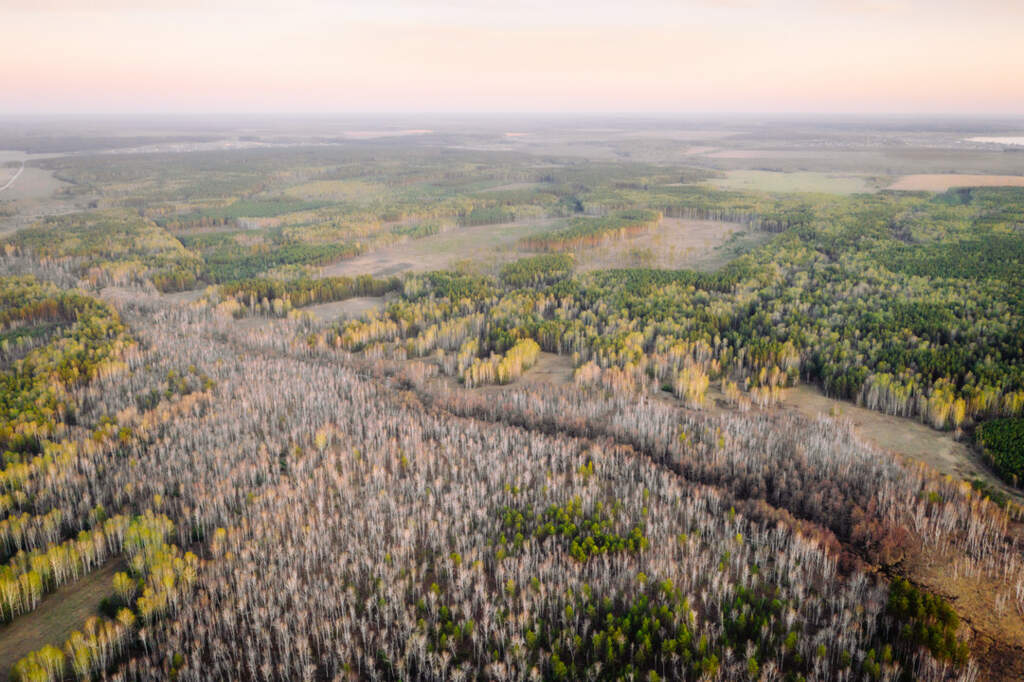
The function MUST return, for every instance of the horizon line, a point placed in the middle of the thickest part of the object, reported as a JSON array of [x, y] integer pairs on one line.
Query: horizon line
[[526, 113]]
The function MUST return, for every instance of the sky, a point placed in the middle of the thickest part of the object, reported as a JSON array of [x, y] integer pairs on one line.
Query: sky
[[656, 56]]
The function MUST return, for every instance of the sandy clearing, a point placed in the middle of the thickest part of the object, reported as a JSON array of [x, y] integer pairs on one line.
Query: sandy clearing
[[940, 182], [512, 186], [122, 295], [699, 149], [675, 243], [683, 134]]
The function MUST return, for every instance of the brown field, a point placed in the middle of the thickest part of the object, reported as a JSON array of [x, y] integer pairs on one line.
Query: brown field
[[684, 135], [885, 162], [997, 638], [512, 186], [551, 368], [940, 182], [698, 149], [57, 616], [8, 173]]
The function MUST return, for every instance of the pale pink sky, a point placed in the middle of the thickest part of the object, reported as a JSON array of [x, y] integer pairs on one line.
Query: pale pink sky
[[99, 56]]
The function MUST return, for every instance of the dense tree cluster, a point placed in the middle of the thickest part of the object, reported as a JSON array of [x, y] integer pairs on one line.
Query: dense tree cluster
[[539, 270], [239, 208], [580, 232], [89, 341], [159, 577], [228, 262], [928, 620], [278, 297], [114, 246], [1002, 441]]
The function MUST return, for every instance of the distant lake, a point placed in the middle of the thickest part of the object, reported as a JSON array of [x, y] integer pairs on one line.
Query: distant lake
[[998, 140]]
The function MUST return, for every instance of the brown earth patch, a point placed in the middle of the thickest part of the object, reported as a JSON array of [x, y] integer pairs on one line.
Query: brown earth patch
[[996, 634]]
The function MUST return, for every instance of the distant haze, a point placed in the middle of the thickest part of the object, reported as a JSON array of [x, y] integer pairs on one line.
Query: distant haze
[[855, 56]]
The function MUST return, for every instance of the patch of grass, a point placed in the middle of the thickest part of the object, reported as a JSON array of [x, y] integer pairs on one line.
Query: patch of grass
[[539, 270], [772, 181]]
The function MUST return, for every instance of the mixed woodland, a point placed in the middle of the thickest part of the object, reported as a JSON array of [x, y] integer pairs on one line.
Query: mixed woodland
[[311, 498]]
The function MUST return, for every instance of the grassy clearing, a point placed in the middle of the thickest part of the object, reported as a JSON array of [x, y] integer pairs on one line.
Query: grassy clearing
[[940, 182], [676, 243], [804, 181], [58, 615], [904, 436], [486, 246]]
